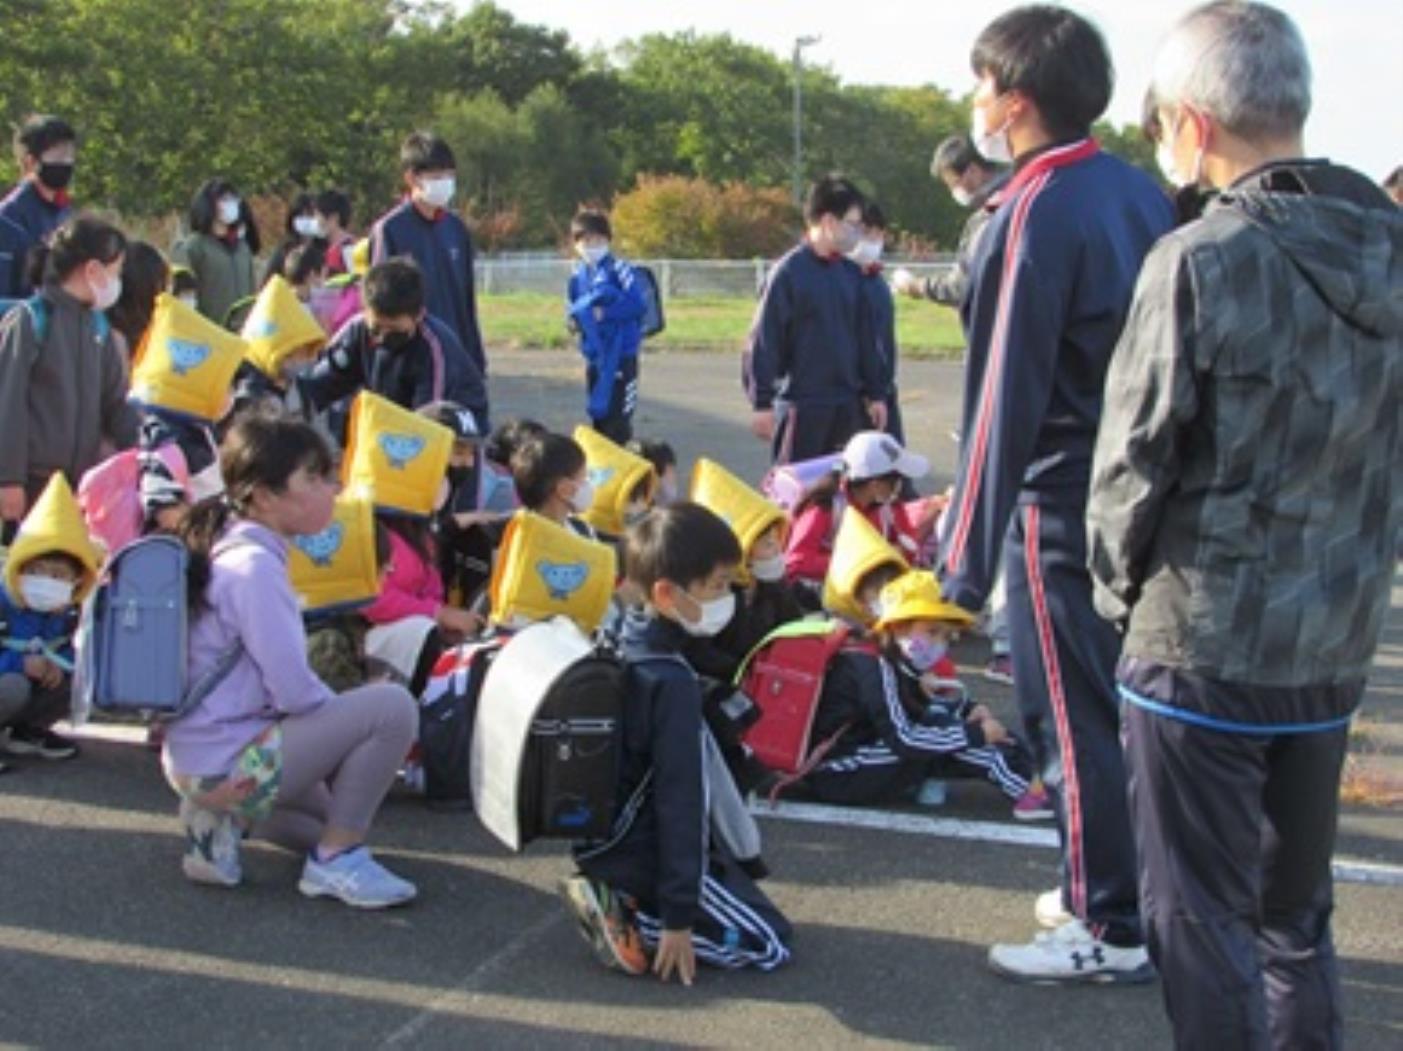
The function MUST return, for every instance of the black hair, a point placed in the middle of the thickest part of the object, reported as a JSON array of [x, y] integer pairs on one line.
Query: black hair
[[41, 131], [78, 241], [304, 260], [590, 221], [145, 275], [203, 206], [395, 288], [956, 154], [301, 204], [258, 450], [414, 531], [831, 195], [682, 543], [879, 575], [510, 435], [656, 451], [423, 151], [539, 463], [1055, 57], [873, 216], [72, 562], [183, 279], [334, 202]]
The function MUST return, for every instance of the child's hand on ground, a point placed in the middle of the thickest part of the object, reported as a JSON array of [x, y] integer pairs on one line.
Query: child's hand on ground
[[675, 953]]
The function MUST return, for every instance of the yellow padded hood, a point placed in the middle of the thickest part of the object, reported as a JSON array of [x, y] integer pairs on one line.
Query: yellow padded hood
[[277, 327], [54, 523]]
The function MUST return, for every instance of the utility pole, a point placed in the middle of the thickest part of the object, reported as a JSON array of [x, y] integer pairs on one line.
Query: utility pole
[[799, 44]]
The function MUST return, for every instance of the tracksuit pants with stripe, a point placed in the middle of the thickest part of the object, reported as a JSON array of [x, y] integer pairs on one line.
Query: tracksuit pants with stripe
[[617, 423], [1064, 659], [803, 432], [877, 774], [1235, 832]]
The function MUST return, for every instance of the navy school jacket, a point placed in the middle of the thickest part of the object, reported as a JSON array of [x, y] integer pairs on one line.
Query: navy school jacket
[[1051, 283], [25, 220]]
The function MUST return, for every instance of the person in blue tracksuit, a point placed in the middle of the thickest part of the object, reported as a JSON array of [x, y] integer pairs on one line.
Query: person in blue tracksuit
[[424, 228], [1051, 285], [877, 300], [810, 372], [605, 304], [47, 148]]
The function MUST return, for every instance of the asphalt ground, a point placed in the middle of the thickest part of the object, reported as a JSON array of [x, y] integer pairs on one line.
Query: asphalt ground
[[103, 944]]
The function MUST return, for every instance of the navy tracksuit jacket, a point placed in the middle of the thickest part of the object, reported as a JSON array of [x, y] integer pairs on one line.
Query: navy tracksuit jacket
[[26, 219]]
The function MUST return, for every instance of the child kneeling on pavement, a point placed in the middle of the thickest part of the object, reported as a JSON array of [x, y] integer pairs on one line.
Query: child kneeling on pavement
[[271, 751], [661, 886]]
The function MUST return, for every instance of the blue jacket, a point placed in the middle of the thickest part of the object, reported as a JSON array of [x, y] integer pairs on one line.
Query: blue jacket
[[1050, 289], [23, 631], [881, 321], [612, 288], [25, 220], [810, 342], [444, 251]]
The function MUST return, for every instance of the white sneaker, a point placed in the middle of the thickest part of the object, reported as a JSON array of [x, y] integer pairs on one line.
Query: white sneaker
[[211, 846], [1049, 911], [357, 879], [1071, 954]]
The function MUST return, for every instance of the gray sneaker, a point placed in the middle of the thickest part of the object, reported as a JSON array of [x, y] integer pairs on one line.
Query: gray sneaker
[[357, 879], [211, 846]]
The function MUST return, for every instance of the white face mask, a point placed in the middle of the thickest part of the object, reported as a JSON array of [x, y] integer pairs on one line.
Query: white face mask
[[992, 145], [1164, 157], [436, 193], [582, 499], [667, 492], [229, 210], [867, 252], [593, 254], [307, 226], [189, 301], [636, 514], [963, 197], [847, 237], [45, 594], [105, 295], [923, 652], [715, 615], [768, 570]]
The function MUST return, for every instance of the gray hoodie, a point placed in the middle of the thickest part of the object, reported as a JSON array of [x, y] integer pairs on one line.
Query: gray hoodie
[[1244, 508]]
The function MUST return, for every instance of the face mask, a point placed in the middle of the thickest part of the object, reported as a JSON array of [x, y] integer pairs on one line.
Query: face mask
[[189, 301], [395, 339], [992, 145], [45, 594], [634, 515], [667, 492], [593, 254], [768, 570], [923, 652], [1164, 157], [582, 499], [55, 176], [715, 615], [107, 294], [307, 226], [436, 193], [866, 253], [963, 197], [229, 211], [847, 237]]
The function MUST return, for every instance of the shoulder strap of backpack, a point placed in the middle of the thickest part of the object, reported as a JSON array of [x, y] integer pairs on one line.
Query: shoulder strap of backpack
[[835, 631], [38, 308]]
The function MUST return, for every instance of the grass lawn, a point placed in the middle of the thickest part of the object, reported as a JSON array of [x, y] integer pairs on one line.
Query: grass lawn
[[529, 321]]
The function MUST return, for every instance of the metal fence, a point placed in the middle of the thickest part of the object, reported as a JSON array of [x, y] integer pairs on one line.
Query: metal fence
[[677, 278]]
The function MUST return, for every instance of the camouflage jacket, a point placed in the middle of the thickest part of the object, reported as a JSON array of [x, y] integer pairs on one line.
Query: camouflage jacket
[[1244, 504]]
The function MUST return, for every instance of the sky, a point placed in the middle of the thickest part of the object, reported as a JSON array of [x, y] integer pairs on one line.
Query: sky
[[1356, 49]]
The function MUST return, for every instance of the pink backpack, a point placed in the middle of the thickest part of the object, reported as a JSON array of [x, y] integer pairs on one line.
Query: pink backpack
[[109, 495]]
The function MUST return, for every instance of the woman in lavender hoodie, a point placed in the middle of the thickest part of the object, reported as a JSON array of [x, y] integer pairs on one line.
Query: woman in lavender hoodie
[[272, 751]]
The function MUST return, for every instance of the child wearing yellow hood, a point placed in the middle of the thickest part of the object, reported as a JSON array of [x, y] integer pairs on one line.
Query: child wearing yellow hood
[[50, 568]]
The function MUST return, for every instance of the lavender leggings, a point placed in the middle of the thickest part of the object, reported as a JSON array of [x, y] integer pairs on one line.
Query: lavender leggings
[[338, 763]]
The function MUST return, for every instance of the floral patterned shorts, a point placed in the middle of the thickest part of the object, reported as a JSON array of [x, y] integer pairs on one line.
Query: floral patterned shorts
[[249, 791]]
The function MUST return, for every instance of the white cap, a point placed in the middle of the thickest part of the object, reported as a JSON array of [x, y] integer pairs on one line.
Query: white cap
[[872, 454]]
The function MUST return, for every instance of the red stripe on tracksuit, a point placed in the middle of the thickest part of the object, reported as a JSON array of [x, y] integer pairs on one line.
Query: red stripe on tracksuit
[[1052, 669]]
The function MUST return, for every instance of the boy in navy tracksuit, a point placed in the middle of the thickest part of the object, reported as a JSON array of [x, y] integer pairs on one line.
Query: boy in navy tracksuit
[[605, 303], [35, 208], [811, 372], [661, 885], [1050, 289], [396, 350], [877, 300], [423, 228]]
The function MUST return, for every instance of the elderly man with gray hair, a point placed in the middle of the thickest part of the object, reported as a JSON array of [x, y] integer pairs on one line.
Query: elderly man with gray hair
[[1243, 518]]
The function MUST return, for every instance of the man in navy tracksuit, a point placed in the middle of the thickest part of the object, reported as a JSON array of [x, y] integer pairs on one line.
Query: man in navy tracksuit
[[423, 228], [812, 374], [36, 207], [605, 301], [1051, 284]]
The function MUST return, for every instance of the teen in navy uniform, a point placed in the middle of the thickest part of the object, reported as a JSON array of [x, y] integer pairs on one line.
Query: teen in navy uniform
[[46, 148], [811, 372], [605, 302], [1050, 289], [396, 350], [877, 301], [661, 885], [423, 228]]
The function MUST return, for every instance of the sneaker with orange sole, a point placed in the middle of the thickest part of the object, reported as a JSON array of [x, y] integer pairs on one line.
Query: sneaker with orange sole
[[604, 922]]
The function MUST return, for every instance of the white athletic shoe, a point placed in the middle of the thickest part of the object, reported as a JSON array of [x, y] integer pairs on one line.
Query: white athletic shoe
[[1070, 954], [1049, 911]]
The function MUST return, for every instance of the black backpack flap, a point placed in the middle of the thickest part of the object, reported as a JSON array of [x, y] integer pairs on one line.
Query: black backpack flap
[[446, 717]]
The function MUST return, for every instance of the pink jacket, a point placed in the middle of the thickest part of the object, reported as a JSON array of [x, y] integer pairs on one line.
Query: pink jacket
[[412, 586]]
